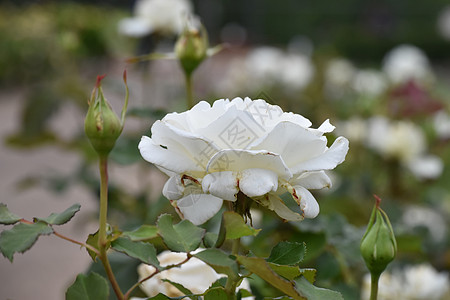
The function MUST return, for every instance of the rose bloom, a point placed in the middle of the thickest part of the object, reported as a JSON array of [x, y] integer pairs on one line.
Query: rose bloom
[[195, 275], [163, 16], [212, 153]]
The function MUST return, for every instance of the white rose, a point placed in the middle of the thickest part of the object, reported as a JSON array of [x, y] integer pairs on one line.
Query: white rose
[[407, 62], [164, 16], [212, 153], [195, 275]]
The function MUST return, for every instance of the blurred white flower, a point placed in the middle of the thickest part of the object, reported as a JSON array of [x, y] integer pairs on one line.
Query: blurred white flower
[[420, 282], [407, 62], [194, 275], [389, 287], [369, 82], [267, 68], [339, 75], [405, 142], [443, 22], [213, 153], [441, 122], [415, 216], [355, 129], [270, 66], [167, 17]]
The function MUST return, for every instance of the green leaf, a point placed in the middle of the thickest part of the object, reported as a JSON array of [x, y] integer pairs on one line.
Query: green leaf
[[210, 239], [61, 218], [182, 289], [182, 237], [287, 253], [312, 292], [145, 252], [90, 287], [7, 217], [309, 274], [92, 240], [235, 226], [219, 261], [143, 233], [21, 237], [217, 293], [288, 272], [261, 268]]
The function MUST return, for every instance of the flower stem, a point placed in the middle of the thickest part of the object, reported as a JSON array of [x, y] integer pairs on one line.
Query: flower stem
[[232, 280], [102, 238], [374, 286], [189, 94]]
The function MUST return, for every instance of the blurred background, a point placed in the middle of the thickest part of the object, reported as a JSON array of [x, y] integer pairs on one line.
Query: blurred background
[[379, 70]]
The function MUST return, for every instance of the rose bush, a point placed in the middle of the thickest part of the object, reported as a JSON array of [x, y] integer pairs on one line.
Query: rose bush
[[213, 153]]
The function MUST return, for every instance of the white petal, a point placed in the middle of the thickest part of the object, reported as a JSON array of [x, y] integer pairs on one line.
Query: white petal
[[326, 127], [176, 150], [308, 203], [325, 161], [240, 160], [275, 203], [199, 208], [172, 161], [312, 180], [235, 129], [173, 189], [221, 184], [257, 182], [293, 142]]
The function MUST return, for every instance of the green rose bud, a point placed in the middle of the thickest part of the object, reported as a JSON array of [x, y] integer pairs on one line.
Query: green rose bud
[[378, 245], [191, 47], [102, 126]]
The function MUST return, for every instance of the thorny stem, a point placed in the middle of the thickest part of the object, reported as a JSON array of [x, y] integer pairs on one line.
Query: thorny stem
[[102, 239], [66, 238], [374, 286], [76, 242], [189, 94], [127, 294]]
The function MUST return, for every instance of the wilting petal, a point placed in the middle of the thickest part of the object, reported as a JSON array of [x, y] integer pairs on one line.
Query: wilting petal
[[312, 180], [308, 203], [173, 189], [199, 208], [294, 143], [240, 160], [257, 182], [221, 184], [275, 203], [327, 160]]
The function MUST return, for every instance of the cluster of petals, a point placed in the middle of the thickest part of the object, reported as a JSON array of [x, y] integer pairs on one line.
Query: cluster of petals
[[212, 153]]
